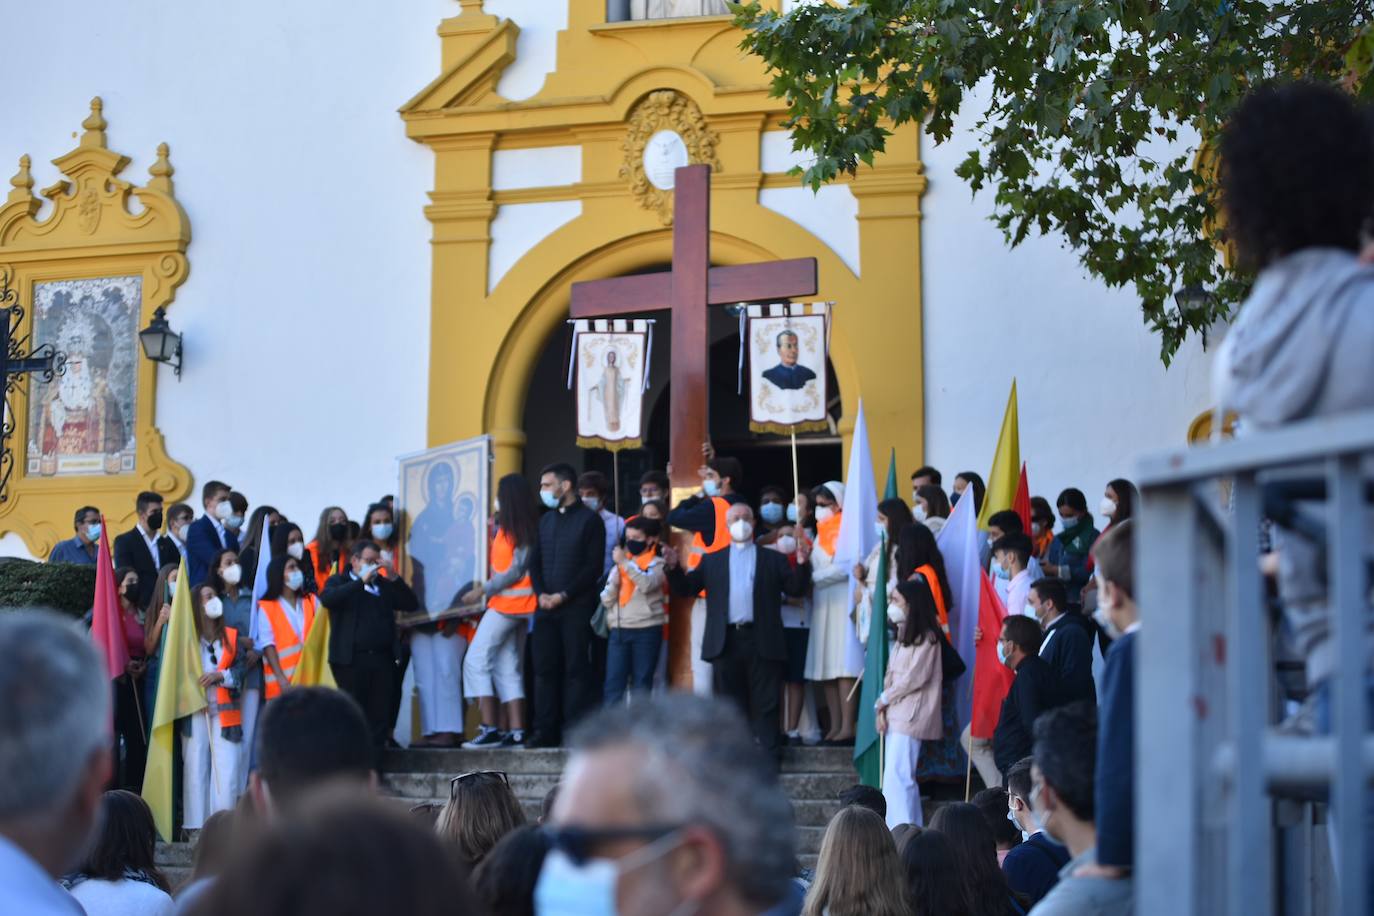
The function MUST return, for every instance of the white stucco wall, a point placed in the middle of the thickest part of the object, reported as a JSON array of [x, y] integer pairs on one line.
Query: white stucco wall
[[1093, 394], [306, 311]]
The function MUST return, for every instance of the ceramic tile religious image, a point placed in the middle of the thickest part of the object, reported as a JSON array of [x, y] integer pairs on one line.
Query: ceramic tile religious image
[[82, 422], [442, 511], [787, 379]]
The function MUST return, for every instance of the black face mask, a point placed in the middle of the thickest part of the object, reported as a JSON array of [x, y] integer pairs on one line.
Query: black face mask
[[131, 592], [636, 547], [155, 521], [338, 531]]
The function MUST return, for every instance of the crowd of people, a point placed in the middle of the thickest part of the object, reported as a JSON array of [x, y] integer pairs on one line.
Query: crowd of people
[[670, 802]]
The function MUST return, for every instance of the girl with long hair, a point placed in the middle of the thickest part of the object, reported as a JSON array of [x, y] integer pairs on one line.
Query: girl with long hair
[[379, 527], [329, 550], [932, 879], [288, 540], [491, 670], [834, 659], [285, 615], [982, 885], [909, 706], [130, 715], [119, 874], [258, 533], [230, 582], [155, 618], [932, 507], [893, 516], [858, 872], [212, 748]]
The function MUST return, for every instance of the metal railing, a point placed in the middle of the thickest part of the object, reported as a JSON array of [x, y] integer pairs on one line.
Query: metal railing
[[1232, 811]]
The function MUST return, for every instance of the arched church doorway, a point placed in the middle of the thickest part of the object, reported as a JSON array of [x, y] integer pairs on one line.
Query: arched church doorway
[[549, 419]]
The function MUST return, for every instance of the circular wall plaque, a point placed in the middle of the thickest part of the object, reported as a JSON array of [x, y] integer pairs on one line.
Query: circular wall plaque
[[664, 152]]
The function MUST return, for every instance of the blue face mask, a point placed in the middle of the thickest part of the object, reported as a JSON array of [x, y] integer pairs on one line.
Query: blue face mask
[[771, 512], [792, 512], [93, 532], [710, 487], [295, 579], [880, 530], [1001, 652], [548, 498], [566, 888], [1001, 571], [383, 531]]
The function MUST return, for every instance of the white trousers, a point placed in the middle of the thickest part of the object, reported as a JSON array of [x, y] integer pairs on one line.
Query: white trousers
[[701, 671], [901, 753], [212, 778], [250, 703], [980, 749], [493, 663], [438, 664]]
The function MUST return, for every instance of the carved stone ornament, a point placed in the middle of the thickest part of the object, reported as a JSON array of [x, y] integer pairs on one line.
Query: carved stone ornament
[[664, 122]]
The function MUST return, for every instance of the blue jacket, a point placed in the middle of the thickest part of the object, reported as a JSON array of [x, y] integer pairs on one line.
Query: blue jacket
[[202, 543], [1068, 650], [1114, 800], [1032, 868]]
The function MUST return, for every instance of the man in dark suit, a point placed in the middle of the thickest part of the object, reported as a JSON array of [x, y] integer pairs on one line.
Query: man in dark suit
[[788, 374], [143, 548], [1113, 803], [1068, 644], [744, 639], [1033, 690], [362, 635], [207, 535]]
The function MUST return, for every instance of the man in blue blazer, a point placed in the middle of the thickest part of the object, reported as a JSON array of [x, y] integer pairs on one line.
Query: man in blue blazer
[[1115, 802], [1068, 644], [207, 535]]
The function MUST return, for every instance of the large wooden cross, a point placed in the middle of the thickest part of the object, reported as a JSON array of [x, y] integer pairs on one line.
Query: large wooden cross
[[691, 286], [14, 365]]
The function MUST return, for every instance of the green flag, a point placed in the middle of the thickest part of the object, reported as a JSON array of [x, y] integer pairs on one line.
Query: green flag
[[868, 757]]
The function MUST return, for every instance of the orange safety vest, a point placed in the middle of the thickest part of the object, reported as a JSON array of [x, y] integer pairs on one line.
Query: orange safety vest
[[225, 705], [321, 574], [627, 585], [928, 573], [288, 644], [721, 541], [517, 599], [828, 534]]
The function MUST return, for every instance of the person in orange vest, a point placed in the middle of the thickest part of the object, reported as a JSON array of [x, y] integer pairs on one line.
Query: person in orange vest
[[633, 599], [492, 670], [703, 514], [329, 550], [285, 615], [212, 747]]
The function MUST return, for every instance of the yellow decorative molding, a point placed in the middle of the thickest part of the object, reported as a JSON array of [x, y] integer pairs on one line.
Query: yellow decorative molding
[[92, 236], [672, 111]]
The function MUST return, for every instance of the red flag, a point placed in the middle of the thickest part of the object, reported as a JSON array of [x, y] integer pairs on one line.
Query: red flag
[[1021, 504], [991, 678], [107, 629]]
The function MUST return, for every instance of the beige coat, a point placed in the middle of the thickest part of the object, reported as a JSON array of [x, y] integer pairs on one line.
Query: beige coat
[[645, 607], [911, 691]]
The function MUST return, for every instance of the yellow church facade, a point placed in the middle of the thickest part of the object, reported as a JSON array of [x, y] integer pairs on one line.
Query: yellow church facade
[[615, 85]]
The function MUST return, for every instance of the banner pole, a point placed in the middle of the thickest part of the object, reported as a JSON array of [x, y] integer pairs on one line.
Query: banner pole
[[796, 482], [615, 479]]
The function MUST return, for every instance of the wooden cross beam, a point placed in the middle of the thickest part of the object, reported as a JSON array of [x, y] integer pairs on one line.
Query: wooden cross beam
[[687, 290], [13, 367]]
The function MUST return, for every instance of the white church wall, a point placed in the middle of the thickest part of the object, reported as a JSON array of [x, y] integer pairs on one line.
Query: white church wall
[[306, 312], [1093, 393], [517, 228], [830, 214], [539, 167], [536, 48]]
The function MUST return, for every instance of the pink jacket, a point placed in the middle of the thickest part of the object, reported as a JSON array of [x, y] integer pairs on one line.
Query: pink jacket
[[911, 691]]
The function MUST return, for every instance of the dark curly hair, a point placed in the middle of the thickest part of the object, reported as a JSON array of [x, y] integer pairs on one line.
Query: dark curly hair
[[1297, 172]]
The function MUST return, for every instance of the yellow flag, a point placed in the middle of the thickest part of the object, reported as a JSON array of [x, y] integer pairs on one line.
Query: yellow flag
[[1006, 465], [178, 694], [312, 669]]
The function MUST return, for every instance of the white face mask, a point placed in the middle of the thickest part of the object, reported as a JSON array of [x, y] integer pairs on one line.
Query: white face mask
[[1107, 507], [294, 580], [824, 512], [896, 613], [296, 550], [1102, 613], [785, 544], [214, 609], [566, 888], [741, 530], [880, 530], [919, 513], [232, 574], [177, 533], [223, 510]]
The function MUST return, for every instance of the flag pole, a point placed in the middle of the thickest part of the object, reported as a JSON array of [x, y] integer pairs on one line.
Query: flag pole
[[210, 743], [138, 707], [796, 482], [615, 479], [968, 772]]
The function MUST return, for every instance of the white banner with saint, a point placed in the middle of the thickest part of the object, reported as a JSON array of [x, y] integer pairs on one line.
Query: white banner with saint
[[610, 371], [786, 345]]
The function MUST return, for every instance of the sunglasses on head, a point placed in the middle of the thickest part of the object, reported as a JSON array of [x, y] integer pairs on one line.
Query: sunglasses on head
[[477, 775], [580, 843]]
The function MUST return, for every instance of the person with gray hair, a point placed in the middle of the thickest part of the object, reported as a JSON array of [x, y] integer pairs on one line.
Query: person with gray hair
[[669, 806], [54, 756]]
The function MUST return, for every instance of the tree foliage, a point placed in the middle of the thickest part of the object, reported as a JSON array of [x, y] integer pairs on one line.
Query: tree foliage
[[1091, 114]]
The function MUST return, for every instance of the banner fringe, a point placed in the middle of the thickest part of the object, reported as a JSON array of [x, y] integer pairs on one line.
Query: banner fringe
[[595, 442], [785, 429]]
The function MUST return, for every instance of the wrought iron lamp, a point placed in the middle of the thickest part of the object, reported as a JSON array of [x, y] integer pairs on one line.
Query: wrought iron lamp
[[160, 343]]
